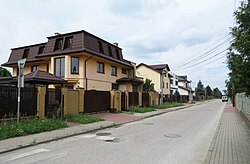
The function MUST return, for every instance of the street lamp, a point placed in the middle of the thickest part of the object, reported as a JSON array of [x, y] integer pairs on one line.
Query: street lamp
[[21, 64]]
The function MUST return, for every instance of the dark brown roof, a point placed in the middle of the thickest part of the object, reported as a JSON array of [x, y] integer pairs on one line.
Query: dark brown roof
[[132, 80], [17, 54], [157, 68], [160, 66], [82, 41], [43, 76], [6, 80]]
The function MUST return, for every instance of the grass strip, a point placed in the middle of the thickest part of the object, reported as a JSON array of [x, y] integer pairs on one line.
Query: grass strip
[[25, 127], [82, 118]]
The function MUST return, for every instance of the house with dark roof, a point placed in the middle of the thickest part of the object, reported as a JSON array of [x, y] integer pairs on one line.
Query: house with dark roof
[[80, 58], [158, 74], [184, 86]]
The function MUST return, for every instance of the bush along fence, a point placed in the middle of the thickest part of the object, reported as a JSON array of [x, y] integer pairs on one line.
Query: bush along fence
[[58, 102], [243, 104]]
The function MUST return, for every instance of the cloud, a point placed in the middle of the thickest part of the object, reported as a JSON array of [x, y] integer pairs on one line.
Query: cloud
[[149, 31]]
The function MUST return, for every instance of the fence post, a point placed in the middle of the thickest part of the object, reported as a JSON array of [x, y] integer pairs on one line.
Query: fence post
[[64, 95], [41, 101], [81, 100], [139, 99], [118, 101]]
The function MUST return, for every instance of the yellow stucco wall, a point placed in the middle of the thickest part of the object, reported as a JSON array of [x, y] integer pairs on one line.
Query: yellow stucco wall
[[150, 74]]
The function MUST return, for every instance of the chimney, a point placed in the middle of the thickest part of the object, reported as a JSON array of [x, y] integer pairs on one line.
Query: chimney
[[57, 33], [116, 44]]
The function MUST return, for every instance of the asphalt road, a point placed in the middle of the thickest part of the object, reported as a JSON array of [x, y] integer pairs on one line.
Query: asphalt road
[[182, 136]]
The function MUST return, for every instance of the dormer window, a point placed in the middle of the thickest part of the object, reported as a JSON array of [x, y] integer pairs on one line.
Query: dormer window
[[58, 44], [26, 53], [110, 51], [117, 54], [68, 42], [100, 47], [41, 49]]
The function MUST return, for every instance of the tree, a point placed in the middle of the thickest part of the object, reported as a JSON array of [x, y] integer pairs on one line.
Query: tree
[[4, 72], [208, 91], [238, 55], [217, 93], [148, 86], [199, 89]]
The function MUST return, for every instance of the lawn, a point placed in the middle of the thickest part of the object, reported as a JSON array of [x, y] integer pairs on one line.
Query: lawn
[[167, 105], [141, 110], [32, 126], [25, 127], [82, 118]]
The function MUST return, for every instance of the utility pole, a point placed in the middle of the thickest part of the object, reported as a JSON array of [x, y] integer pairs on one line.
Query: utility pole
[[20, 85]]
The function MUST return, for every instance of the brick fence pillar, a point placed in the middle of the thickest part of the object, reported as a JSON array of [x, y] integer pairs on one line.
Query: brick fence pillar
[[41, 101]]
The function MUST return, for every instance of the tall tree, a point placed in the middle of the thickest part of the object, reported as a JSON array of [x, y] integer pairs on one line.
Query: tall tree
[[238, 55], [4, 72], [208, 91], [199, 89], [148, 86], [217, 93]]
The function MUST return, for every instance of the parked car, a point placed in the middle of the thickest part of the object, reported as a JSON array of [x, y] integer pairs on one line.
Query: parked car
[[224, 98]]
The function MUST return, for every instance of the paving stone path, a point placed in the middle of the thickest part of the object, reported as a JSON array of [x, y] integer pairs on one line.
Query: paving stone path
[[231, 142]]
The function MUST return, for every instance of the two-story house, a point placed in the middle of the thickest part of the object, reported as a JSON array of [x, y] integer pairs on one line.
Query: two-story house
[[82, 59], [173, 83], [158, 74], [184, 86]]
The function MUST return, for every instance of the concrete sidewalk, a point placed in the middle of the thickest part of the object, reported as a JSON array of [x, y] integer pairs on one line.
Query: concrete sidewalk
[[111, 120], [231, 142]]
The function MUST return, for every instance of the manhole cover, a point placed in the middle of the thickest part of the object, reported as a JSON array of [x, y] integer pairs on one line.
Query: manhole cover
[[115, 140], [172, 135], [148, 123], [103, 134]]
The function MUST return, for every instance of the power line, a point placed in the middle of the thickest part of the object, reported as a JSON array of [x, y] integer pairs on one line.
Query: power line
[[204, 60], [206, 63], [216, 48], [197, 54]]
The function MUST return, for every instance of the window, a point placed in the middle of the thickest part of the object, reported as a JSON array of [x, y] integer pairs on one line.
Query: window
[[163, 85], [167, 85], [68, 42], [47, 67], [26, 53], [176, 83], [114, 86], [60, 67], [74, 65], [100, 67], [124, 71], [171, 81], [58, 44], [100, 47], [117, 54], [110, 51], [113, 71], [34, 68], [41, 49]]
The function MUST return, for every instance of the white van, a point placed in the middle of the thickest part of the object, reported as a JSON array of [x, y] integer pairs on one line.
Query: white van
[[224, 98]]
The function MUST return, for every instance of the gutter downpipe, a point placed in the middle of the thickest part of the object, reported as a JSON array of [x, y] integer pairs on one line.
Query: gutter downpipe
[[85, 71]]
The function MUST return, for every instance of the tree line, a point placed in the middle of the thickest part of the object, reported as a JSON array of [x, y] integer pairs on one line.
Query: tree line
[[238, 57]]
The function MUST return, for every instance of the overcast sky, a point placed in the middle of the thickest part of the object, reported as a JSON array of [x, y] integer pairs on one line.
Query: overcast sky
[[148, 31]]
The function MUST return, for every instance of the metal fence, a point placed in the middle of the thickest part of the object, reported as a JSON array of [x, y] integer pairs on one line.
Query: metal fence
[[96, 101], [8, 102], [243, 104]]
